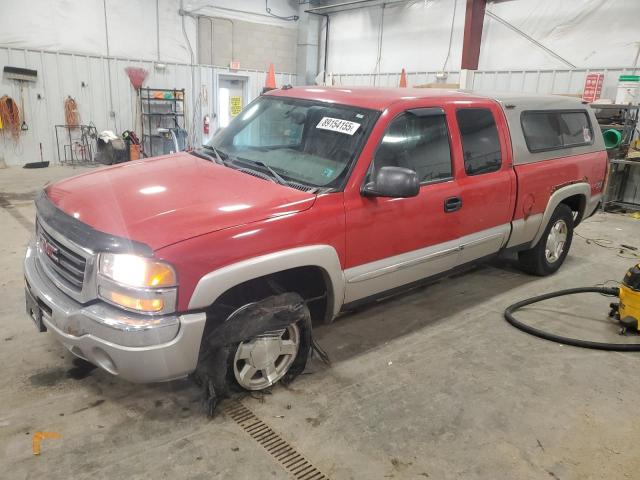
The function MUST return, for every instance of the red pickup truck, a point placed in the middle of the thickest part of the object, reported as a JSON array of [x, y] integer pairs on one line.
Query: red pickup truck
[[310, 202]]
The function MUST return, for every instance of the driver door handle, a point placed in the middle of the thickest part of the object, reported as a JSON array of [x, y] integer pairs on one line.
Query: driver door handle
[[452, 204]]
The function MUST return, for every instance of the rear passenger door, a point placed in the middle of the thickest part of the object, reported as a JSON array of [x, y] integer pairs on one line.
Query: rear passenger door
[[485, 179]]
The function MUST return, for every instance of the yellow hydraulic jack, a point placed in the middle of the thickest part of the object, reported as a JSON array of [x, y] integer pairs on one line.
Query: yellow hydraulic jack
[[627, 312]]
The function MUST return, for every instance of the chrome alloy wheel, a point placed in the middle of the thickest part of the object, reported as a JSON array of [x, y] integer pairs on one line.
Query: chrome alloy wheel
[[556, 241], [265, 359]]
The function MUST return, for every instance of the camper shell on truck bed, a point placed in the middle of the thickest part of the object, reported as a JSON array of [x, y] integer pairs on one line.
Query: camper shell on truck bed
[[519, 108]]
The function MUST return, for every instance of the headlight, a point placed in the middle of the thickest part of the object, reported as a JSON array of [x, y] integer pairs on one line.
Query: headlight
[[137, 271], [136, 283]]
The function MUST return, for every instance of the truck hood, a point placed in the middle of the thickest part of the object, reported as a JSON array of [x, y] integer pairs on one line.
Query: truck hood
[[163, 200]]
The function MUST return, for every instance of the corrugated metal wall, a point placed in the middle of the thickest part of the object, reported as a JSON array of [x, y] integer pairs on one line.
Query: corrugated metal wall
[[527, 81], [549, 81], [390, 79], [62, 74]]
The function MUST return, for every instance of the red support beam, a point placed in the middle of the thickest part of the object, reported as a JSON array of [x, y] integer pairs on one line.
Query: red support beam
[[473, 20]]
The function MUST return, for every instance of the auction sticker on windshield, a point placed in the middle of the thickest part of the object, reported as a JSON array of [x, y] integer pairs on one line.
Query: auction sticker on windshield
[[338, 125]]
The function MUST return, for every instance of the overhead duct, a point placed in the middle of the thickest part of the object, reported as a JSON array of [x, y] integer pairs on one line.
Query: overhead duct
[[351, 5]]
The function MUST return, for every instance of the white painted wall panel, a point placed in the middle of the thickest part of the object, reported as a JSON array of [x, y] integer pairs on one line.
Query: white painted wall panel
[[415, 35], [549, 81], [79, 25], [528, 81], [391, 79], [588, 33], [62, 74]]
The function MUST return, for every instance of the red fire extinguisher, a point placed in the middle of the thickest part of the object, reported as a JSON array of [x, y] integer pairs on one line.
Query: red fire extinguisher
[[205, 125]]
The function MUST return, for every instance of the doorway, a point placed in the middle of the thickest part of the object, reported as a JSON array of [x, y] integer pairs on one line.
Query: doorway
[[232, 97]]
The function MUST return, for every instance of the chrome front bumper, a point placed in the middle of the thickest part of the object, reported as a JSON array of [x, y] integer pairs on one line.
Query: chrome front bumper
[[123, 344]]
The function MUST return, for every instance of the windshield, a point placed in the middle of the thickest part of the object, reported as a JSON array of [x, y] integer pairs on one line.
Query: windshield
[[308, 142]]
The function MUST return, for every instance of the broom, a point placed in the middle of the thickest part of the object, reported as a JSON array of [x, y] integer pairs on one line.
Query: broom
[[137, 76]]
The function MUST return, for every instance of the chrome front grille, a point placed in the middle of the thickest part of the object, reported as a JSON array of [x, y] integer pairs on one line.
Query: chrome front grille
[[67, 264]]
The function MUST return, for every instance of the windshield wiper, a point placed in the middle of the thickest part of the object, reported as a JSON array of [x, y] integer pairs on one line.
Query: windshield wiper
[[273, 173], [219, 159], [276, 176], [199, 153]]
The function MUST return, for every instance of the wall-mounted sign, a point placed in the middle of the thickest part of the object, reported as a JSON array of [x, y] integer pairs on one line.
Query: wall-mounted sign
[[234, 66], [235, 105], [592, 87]]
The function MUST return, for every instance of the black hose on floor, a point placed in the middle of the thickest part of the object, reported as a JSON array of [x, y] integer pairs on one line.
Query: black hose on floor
[[576, 342]]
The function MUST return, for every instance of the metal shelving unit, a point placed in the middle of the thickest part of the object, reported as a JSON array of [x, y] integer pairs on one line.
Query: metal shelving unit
[[623, 189], [623, 118], [162, 112], [623, 182]]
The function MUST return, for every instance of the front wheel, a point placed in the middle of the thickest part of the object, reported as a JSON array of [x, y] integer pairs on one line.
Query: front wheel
[[265, 359], [256, 346], [549, 253]]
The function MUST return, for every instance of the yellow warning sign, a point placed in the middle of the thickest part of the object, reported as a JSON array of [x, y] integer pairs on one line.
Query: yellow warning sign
[[236, 105]]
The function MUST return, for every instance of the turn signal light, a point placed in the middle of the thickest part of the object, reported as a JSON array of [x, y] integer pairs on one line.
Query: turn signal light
[[140, 304]]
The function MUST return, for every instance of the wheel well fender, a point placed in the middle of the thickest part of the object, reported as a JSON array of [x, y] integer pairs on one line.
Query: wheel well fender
[[575, 196], [578, 204], [314, 262]]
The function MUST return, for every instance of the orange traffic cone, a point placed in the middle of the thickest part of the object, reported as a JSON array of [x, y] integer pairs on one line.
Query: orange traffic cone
[[270, 83], [403, 79]]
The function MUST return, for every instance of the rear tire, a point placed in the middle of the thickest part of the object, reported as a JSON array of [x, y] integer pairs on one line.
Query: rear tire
[[549, 253]]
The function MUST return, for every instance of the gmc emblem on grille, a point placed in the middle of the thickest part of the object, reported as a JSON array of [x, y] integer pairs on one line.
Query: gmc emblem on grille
[[49, 250]]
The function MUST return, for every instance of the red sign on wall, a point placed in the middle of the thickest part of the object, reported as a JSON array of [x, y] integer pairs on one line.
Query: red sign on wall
[[592, 87]]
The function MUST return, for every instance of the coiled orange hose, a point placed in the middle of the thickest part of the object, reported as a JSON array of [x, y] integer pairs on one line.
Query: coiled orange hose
[[71, 115], [10, 115]]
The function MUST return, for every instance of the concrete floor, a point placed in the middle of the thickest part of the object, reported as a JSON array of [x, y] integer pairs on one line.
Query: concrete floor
[[430, 384]]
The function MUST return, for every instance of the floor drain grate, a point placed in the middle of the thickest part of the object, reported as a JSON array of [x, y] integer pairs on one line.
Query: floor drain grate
[[279, 448]]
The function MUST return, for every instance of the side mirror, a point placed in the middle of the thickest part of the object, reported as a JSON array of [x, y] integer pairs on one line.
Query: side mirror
[[396, 182]]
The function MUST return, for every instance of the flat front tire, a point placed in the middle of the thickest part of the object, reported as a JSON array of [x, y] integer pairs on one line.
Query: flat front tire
[[549, 253], [255, 354], [264, 360]]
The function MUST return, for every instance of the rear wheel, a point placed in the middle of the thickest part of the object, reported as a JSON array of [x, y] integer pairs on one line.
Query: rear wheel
[[549, 253]]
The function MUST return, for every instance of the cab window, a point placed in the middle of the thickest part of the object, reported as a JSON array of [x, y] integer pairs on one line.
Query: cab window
[[480, 140], [418, 140]]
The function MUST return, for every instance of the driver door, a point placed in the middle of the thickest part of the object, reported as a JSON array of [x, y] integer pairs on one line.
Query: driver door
[[391, 242]]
